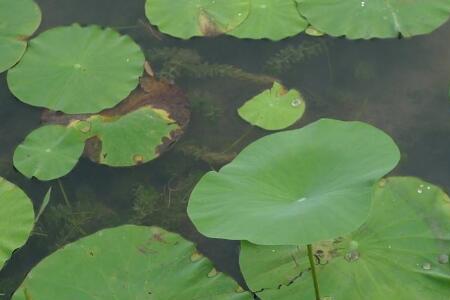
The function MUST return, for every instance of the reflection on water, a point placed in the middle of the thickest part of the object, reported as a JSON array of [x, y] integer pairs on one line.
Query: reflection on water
[[400, 86]]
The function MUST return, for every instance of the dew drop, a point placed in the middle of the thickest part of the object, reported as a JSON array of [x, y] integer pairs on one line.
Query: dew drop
[[77, 66], [273, 250], [296, 102], [443, 259], [352, 256], [419, 191], [363, 3], [428, 187], [48, 150], [426, 266]]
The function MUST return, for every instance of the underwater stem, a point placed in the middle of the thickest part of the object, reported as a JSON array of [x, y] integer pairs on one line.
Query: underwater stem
[[313, 271], [66, 200]]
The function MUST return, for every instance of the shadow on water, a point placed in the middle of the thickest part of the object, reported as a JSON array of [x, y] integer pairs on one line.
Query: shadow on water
[[400, 86]]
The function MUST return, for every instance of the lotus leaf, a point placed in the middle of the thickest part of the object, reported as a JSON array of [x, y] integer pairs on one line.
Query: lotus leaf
[[49, 152], [16, 219], [295, 187], [130, 139], [274, 109], [271, 19], [375, 18], [77, 69], [18, 20], [404, 243], [129, 262], [137, 130], [189, 18]]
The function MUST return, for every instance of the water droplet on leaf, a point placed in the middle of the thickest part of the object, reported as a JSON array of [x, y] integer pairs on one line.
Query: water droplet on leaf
[[426, 266], [443, 259], [296, 102]]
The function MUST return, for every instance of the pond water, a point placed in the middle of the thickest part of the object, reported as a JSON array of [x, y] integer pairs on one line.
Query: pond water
[[400, 86]]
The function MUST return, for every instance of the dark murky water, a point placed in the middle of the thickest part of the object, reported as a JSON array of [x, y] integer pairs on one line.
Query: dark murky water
[[400, 86]]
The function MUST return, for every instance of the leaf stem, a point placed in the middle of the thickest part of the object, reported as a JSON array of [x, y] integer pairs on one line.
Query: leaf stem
[[313, 271], [66, 200]]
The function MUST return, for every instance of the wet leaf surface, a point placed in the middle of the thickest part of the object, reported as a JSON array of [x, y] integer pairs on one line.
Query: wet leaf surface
[[129, 262], [297, 186], [404, 243]]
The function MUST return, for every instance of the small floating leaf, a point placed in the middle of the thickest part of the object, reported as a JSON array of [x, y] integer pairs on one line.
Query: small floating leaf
[[49, 152], [271, 19], [274, 109], [300, 186], [128, 262], [130, 139], [16, 219], [400, 245], [18, 20], [367, 19], [189, 18], [77, 69]]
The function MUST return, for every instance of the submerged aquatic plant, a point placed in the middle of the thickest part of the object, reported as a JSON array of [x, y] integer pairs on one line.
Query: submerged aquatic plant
[[129, 262], [77, 69], [19, 19], [174, 63], [287, 58], [404, 242], [274, 109]]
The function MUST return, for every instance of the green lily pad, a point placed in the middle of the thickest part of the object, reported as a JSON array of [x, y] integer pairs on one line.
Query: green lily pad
[[16, 219], [367, 19], [189, 18], [49, 152], [274, 109], [271, 19], [18, 20], [130, 139], [77, 69], [295, 187], [129, 262], [404, 243]]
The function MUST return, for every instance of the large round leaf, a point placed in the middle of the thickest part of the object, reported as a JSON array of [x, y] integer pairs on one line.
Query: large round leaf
[[401, 252], [296, 186], [130, 139], [274, 109], [49, 152], [16, 219], [375, 18], [129, 262], [271, 19], [18, 20], [189, 18], [77, 69]]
